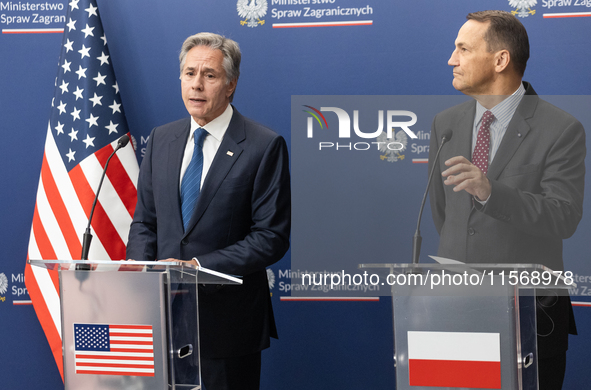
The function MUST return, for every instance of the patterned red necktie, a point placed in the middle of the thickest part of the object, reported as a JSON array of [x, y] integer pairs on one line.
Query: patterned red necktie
[[480, 155]]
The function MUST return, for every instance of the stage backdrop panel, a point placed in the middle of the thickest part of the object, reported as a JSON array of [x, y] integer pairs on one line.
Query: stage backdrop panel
[[305, 48]]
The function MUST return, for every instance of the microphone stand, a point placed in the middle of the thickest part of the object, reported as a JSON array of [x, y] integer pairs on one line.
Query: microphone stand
[[87, 237], [417, 239]]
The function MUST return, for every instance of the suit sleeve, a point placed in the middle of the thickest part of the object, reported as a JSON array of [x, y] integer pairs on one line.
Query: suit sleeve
[[142, 242], [555, 208], [268, 237]]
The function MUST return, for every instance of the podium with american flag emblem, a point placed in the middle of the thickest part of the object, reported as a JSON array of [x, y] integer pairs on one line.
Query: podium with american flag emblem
[[130, 324]]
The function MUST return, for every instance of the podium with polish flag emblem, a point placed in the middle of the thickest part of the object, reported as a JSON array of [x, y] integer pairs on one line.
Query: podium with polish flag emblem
[[131, 324], [467, 326]]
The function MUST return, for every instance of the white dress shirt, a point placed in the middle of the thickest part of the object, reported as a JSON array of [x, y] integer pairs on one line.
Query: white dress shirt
[[216, 130], [503, 113]]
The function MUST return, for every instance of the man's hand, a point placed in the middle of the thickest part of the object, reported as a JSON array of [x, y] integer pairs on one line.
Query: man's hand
[[464, 175], [193, 261]]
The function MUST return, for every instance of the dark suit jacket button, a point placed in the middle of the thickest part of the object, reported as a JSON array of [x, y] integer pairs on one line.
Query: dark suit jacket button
[[185, 241], [471, 231]]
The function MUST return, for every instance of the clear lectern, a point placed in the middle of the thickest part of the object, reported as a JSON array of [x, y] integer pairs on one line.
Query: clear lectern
[[467, 326], [131, 324]]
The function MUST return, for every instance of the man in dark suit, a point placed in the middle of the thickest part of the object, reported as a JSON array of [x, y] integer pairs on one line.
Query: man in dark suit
[[508, 187], [214, 190]]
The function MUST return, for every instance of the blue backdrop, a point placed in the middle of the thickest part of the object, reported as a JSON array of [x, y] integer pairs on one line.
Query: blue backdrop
[[383, 48]]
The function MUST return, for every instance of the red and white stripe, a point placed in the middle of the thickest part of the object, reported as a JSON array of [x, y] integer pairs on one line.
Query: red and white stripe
[[454, 359], [567, 15], [64, 201], [32, 30], [131, 353], [324, 24]]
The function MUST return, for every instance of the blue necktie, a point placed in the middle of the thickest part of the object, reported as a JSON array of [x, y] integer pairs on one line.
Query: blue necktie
[[191, 183]]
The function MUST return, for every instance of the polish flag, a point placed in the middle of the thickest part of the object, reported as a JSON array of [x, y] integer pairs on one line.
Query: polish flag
[[454, 359]]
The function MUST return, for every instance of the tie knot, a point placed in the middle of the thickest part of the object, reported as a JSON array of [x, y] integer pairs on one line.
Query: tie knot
[[199, 136], [487, 118]]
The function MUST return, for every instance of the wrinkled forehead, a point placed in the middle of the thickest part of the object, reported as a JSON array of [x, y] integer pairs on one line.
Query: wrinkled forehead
[[204, 55]]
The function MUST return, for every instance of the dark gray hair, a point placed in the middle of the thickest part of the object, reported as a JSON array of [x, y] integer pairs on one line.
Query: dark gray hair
[[505, 32], [228, 47]]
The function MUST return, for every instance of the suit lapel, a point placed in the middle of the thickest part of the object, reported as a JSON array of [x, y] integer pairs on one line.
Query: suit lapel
[[516, 132], [225, 158], [463, 147]]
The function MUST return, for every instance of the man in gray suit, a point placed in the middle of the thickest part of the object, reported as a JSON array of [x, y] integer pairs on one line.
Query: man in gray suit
[[508, 187]]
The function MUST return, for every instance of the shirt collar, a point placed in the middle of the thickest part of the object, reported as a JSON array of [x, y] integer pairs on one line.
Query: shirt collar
[[503, 111], [217, 127]]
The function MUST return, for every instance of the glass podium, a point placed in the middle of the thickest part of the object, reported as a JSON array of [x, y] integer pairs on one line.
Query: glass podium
[[467, 326], [131, 324]]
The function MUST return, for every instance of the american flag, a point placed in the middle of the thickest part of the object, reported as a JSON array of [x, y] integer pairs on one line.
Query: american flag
[[85, 122], [114, 349]]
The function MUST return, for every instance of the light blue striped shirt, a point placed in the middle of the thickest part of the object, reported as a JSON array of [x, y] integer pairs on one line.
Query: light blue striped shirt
[[503, 113]]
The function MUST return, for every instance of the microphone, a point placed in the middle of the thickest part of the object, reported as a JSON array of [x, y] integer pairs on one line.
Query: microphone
[[417, 239], [123, 141], [87, 237]]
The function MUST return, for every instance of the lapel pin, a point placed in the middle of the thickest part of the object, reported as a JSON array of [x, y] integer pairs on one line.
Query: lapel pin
[[229, 153]]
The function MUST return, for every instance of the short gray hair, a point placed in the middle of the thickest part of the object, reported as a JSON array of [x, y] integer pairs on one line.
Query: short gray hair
[[228, 47]]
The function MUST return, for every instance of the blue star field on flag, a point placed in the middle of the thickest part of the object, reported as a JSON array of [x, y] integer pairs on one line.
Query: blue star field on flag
[[86, 108], [89, 337]]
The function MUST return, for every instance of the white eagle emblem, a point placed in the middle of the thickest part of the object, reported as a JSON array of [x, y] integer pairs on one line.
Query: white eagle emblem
[[392, 147], [3, 284], [523, 7], [270, 278], [252, 11]]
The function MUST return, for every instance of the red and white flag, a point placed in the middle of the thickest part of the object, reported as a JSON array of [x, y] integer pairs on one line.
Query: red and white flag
[[85, 122], [454, 359]]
